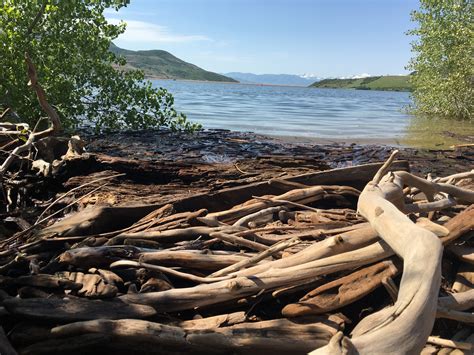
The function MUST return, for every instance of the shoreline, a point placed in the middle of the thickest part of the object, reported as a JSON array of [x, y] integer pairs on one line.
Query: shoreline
[[391, 142], [226, 148], [151, 77], [442, 140], [223, 82]]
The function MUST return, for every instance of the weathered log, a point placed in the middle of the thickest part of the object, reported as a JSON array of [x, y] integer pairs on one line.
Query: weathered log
[[354, 176], [302, 196], [464, 317], [229, 238], [404, 327], [101, 219], [75, 309], [460, 335], [176, 235], [430, 189], [96, 220], [265, 215], [307, 232], [169, 271], [88, 257], [240, 286], [451, 179], [219, 321], [279, 335], [458, 301], [450, 343], [44, 280], [338, 244], [256, 258], [202, 260], [341, 292], [459, 225]]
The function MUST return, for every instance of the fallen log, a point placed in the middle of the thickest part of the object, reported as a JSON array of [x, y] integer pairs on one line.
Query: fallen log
[[105, 219], [88, 257], [75, 309], [458, 301], [279, 335], [343, 291], [240, 286], [255, 259], [201, 260], [404, 327]]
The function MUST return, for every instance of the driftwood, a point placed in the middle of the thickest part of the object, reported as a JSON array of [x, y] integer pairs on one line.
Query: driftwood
[[75, 309], [343, 291], [458, 301], [404, 327], [169, 273], [464, 280], [200, 260], [296, 336]]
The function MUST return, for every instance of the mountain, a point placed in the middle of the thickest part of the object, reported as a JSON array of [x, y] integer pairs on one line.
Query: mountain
[[387, 82], [160, 64], [272, 79]]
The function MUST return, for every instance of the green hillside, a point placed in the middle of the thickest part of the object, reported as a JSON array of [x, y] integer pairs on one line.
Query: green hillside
[[388, 82], [163, 65]]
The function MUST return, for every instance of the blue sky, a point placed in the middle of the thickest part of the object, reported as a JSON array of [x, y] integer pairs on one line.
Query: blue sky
[[328, 38]]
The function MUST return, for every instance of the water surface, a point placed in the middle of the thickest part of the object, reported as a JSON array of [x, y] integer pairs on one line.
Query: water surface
[[337, 114]]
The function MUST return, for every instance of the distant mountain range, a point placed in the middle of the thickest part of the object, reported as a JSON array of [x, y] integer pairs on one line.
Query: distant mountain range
[[386, 83], [273, 79], [160, 64]]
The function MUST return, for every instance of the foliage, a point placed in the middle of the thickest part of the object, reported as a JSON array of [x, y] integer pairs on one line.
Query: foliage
[[69, 43], [386, 83], [443, 77]]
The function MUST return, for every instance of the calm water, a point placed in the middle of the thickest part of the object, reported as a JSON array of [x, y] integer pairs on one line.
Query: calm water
[[297, 111]]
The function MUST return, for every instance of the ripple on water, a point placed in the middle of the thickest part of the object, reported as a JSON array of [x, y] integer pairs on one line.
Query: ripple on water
[[308, 112]]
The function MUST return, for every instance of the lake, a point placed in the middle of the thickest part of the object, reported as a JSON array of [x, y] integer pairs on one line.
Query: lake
[[327, 114]]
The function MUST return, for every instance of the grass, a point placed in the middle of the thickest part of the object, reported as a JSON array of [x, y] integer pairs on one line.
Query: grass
[[388, 82], [164, 65]]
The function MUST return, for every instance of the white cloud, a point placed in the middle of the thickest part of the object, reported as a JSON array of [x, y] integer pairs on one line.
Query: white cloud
[[361, 76], [145, 32], [309, 76], [358, 76]]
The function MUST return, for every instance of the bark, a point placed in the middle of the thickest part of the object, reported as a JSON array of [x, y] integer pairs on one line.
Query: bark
[[74, 309], [343, 291], [279, 335], [404, 327]]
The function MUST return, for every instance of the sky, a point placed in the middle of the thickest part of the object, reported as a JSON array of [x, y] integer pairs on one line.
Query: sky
[[324, 38]]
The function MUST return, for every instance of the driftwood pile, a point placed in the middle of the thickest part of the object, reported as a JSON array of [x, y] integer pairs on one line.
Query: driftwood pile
[[285, 266], [362, 260]]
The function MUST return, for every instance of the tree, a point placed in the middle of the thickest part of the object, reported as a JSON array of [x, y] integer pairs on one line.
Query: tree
[[69, 42], [443, 78]]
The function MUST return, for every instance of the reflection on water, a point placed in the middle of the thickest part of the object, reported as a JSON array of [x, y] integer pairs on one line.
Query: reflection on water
[[436, 133], [361, 115]]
